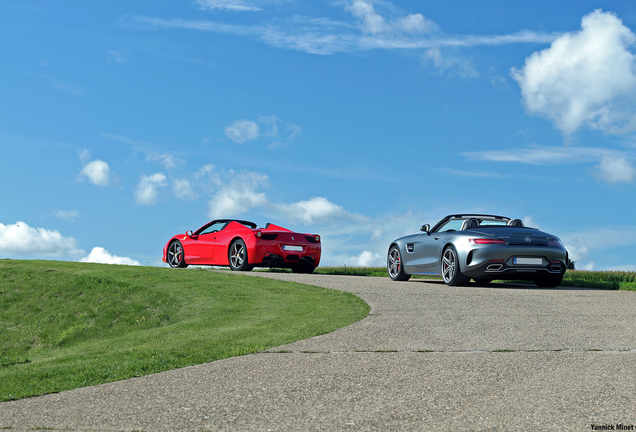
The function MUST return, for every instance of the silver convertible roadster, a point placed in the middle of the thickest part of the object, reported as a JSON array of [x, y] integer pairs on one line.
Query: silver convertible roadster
[[479, 247]]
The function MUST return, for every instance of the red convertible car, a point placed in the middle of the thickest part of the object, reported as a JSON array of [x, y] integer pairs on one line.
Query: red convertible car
[[242, 246]]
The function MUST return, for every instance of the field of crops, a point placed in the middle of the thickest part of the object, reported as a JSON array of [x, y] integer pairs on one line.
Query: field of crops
[[613, 280]]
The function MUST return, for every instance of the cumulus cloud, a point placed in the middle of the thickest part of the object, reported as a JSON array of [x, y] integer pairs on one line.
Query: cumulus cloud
[[238, 195], [580, 244], [317, 211], [584, 78], [97, 172], [371, 21], [183, 189], [102, 256], [242, 131], [366, 259], [147, 189], [20, 239], [614, 169], [374, 23]]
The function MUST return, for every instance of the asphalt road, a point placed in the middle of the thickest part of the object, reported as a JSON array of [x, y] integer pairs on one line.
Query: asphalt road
[[428, 357]]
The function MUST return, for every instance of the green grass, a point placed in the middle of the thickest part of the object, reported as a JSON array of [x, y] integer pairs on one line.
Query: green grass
[[614, 280], [66, 325]]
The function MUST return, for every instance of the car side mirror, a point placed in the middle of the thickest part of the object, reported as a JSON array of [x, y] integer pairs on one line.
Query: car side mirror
[[189, 233], [426, 228]]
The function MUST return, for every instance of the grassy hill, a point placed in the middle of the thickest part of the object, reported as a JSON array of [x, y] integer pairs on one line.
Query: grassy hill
[[65, 325]]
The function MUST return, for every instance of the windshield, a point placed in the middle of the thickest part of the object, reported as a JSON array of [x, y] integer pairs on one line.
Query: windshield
[[456, 224]]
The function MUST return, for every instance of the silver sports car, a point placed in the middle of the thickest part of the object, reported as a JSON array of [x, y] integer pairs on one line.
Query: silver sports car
[[479, 247]]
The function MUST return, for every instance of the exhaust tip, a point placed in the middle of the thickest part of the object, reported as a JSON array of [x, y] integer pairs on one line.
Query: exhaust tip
[[494, 267]]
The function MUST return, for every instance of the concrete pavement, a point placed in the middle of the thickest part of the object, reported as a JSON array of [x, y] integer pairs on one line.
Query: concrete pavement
[[428, 357]]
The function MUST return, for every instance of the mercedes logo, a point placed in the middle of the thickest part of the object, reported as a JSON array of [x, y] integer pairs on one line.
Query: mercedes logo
[[528, 239]]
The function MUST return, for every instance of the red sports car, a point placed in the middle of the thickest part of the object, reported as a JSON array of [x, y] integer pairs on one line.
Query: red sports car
[[242, 246]]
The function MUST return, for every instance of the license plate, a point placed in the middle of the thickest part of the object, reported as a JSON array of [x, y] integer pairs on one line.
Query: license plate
[[293, 248], [528, 261]]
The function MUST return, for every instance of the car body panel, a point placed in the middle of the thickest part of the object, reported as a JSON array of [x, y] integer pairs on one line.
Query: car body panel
[[517, 258], [276, 246]]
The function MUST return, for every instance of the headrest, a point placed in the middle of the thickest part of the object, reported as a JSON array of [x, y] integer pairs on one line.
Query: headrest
[[470, 223], [515, 223]]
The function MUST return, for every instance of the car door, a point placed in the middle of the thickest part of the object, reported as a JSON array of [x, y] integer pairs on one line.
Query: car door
[[427, 248], [202, 245]]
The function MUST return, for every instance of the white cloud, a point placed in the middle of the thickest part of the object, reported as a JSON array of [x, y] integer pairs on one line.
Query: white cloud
[[238, 195], [371, 21], [580, 244], [318, 211], [20, 239], [102, 256], [183, 190], [147, 189], [453, 65], [242, 131], [584, 78], [69, 215], [623, 268], [324, 36], [233, 5], [614, 169], [97, 172], [366, 259], [167, 160], [538, 155], [530, 222], [416, 23], [118, 56]]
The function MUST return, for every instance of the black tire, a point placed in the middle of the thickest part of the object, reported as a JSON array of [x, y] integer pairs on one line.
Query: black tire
[[451, 273], [303, 269], [175, 255], [549, 281], [237, 256], [395, 266]]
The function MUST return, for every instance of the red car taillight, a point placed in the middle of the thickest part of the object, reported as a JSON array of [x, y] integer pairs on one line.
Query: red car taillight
[[486, 241], [555, 242], [318, 239], [259, 234]]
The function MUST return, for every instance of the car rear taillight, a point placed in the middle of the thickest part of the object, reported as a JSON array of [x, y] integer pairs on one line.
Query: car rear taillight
[[317, 239], [486, 241], [259, 234], [555, 242]]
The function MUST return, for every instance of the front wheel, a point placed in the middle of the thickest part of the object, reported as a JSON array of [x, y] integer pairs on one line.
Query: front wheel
[[450, 268], [238, 256], [175, 256], [395, 266]]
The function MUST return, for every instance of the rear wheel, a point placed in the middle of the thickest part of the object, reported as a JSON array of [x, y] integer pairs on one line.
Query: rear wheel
[[549, 281], [238, 256], [450, 268], [395, 266], [175, 256]]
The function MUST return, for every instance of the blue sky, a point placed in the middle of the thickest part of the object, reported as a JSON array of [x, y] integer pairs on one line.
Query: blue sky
[[124, 123]]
